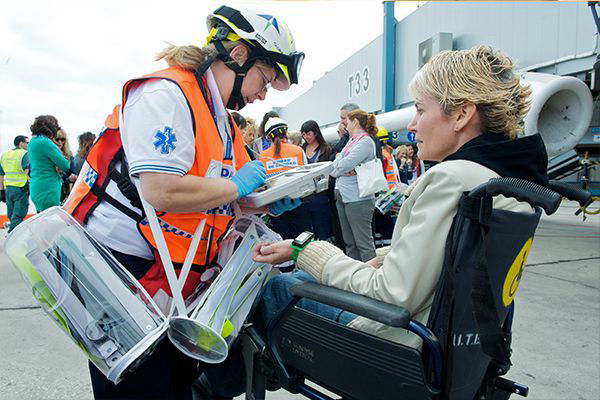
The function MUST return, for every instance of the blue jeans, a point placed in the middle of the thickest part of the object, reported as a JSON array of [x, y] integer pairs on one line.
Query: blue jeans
[[276, 296], [228, 379]]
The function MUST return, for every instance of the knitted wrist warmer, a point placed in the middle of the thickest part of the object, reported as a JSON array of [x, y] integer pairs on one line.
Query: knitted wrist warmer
[[314, 257]]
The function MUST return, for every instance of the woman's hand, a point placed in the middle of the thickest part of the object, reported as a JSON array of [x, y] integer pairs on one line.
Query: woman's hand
[[273, 253]]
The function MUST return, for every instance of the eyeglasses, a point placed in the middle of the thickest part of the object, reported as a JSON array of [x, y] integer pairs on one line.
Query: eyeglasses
[[266, 81], [60, 139]]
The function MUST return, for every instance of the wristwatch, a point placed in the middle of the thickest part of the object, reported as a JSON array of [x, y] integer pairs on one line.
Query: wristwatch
[[300, 243]]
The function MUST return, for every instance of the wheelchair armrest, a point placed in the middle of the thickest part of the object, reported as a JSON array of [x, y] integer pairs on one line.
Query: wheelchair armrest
[[583, 197], [522, 190], [376, 310]]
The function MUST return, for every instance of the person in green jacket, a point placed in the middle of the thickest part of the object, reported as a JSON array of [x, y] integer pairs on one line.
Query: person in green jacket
[[46, 162]]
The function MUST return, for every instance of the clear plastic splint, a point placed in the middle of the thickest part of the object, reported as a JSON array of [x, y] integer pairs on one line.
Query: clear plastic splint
[[216, 321], [86, 292]]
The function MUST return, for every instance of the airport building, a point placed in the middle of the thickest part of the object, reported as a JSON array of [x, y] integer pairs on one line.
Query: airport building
[[557, 39]]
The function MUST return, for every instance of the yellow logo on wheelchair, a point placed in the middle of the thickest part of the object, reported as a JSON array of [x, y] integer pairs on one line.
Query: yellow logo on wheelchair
[[513, 277]]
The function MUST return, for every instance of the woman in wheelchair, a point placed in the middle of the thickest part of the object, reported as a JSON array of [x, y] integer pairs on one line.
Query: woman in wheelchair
[[469, 111]]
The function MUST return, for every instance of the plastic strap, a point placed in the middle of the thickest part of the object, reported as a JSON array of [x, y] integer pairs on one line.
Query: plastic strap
[[189, 257], [163, 251]]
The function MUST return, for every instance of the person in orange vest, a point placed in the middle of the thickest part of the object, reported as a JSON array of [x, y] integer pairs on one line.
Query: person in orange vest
[[278, 158], [388, 159], [173, 138]]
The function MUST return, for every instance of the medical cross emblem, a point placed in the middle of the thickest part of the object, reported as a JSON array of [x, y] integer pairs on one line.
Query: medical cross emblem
[[271, 20], [165, 141]]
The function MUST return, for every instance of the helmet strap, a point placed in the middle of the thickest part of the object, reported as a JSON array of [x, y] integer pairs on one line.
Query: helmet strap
[[201, 70], [236, 100]]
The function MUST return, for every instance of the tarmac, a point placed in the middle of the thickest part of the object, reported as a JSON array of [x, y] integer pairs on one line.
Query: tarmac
[[556, 332]]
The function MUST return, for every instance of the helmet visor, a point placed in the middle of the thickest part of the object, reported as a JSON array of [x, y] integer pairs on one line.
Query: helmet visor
[[288, 67]]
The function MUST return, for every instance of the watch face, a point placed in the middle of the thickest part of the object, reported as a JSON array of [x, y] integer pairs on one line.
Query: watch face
[[303, 239], [304, 236]]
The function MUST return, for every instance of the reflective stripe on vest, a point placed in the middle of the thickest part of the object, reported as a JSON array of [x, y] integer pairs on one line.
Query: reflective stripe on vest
[[291, 156], [14, 174], [178, 228]]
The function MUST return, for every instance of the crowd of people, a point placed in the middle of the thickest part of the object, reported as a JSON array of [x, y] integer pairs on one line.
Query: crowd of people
[[42, 168], [46, 168], [338, 215]]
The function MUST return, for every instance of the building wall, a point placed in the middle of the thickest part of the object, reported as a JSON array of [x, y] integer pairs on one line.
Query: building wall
[[531, 33], [356, 80]]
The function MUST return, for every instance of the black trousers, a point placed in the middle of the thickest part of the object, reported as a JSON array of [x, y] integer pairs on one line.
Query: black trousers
[[166, 374]]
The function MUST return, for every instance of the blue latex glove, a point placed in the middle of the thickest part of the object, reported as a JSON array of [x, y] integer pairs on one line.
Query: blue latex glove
[[283, 205], [251, 176]]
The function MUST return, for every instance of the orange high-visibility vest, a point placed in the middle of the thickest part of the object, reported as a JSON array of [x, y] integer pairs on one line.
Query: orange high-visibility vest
[[291, 156], [178, 228], [390, 176]]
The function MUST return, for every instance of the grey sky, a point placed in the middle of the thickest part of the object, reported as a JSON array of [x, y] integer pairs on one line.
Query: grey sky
[[70, 58]]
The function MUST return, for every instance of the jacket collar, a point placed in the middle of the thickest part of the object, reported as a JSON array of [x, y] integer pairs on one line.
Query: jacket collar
[[523, 158]]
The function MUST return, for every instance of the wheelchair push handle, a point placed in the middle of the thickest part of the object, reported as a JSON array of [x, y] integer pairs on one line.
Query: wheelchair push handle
[[581, 196], [521, 190]]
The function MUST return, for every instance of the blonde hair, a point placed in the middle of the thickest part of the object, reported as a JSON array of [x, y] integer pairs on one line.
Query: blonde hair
[[402, 149], [366, 120], [479, 76], [295, 137], [250, 127], [66, 147], [190, 57]]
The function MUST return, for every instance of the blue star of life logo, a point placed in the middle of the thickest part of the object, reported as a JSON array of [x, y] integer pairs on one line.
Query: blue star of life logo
[[271, 20], [165, 141]]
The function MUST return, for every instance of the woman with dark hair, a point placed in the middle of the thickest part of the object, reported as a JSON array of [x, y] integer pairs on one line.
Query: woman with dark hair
[[86, 140], [317, 150], [315, 147], [47, 162], [416, 167]]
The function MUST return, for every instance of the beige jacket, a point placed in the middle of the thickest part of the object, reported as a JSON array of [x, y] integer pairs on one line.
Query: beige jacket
[[412, 264]]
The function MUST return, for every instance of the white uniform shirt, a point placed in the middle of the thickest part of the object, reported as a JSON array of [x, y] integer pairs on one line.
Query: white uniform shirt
[[158, 136]]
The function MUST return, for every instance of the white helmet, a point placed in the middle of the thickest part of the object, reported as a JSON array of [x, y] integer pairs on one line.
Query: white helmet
[[268, 35], [274, 127]]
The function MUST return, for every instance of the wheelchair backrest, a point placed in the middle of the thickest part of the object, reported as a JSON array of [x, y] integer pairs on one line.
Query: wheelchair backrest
[[477, 253]]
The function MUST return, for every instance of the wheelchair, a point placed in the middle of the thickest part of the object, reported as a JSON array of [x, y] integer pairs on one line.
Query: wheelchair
[[466, 341]]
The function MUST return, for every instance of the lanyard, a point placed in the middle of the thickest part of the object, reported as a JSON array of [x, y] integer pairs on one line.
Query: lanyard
[[222, 121]]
